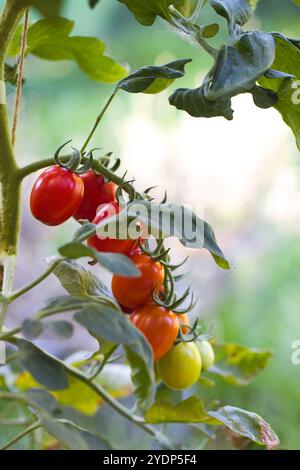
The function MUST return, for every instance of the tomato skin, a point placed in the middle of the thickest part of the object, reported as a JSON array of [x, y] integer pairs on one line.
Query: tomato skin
[[180, 368], [56, 195], [132, 292], [109, 245], [207, 354], [96, 192], [159, 325], [184, 320]]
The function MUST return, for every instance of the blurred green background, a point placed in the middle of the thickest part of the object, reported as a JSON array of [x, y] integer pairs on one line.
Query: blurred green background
[[244, 175]]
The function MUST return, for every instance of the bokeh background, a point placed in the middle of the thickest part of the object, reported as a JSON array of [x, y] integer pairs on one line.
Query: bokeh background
[[244, 175]]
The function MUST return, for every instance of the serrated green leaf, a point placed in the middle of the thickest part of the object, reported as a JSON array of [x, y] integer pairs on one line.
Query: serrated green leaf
[[50, 39], [287, 60], [153, 79], [80, 282], [239, 365], [44, 367], [106, 323]]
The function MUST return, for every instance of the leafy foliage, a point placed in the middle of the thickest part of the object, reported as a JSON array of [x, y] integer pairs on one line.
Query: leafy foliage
[[153, 79], [191, 410], [45, 7], [237, 364], [50, 39]]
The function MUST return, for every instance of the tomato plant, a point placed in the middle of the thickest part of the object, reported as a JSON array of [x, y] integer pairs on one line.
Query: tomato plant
[[62, 395]]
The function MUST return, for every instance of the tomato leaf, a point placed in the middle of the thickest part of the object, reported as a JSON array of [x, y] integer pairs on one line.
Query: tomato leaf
[[60, 328], [45, 7], [80, 282], [153, 79], [239, 365], [165, 220], [50, 39], [284, 80], [32, 328], [235, 11], [106, 323], [236, 70], [117, 263], [145, 11], [44, 367], [191, 410]]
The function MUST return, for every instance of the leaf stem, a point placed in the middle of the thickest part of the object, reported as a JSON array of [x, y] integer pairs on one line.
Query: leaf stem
[[98, 120], [34, 283], [18, 437]]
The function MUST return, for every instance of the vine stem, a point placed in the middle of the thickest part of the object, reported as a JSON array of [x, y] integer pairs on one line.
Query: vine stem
[[20, 78], [98, 120], [18, 437], [35, 282]]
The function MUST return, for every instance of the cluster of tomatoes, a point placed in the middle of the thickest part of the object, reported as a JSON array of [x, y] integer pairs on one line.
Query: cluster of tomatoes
[[59, 194]]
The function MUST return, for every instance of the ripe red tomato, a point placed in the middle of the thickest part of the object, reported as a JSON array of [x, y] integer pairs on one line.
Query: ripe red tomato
[[109, 244], [96, 192], [184, 320], [132, 292], [56, 195], [159, 325]]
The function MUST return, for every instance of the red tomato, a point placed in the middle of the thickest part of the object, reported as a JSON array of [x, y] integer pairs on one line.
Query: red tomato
[[132, 292], [109, 244], [184, 320], [96, 192], [159, 325], [56, 195]]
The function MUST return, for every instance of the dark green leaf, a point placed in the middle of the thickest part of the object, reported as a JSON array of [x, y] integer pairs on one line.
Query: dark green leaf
[[194, 102], [287, 60], [61, 328], [93, 3], [235, 11], [32, 328], [239, 365], [153, 79], [116, 263], [210, 30], [45, 7], [264, 97], [45, 368], [145, 11], [104, 322]]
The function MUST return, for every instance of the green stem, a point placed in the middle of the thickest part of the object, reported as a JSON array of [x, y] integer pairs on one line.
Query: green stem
[[98, 120], [31, 428], [10, 184], [31, 285]]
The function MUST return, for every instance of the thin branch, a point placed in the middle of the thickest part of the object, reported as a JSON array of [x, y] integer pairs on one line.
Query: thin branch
[[20, 77], [31, 428]]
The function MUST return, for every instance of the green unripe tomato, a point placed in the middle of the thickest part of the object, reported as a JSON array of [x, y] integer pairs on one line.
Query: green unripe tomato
[[180, 368], [207, 354]]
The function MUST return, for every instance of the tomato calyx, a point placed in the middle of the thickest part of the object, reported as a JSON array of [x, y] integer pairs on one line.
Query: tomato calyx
[[74, 160]]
